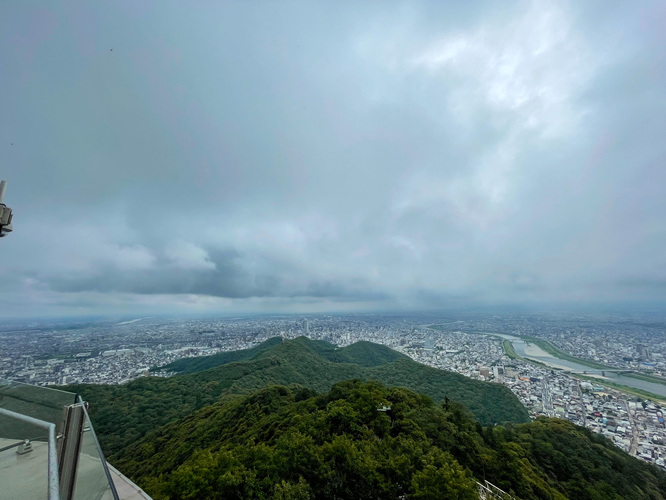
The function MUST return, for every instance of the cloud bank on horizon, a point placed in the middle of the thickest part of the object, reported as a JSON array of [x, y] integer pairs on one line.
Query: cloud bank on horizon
[[293, 156]]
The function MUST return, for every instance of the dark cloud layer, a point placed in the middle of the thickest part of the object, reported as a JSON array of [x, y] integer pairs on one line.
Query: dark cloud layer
[[226, 277], [293, 156]]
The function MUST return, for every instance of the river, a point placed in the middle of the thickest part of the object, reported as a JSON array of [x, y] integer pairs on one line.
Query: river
[[532, 351]]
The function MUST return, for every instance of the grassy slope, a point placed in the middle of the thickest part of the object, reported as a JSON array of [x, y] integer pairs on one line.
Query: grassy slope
[[508, 349]]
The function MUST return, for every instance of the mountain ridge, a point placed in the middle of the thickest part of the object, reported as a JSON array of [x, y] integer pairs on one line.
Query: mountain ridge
[[123, 414], [362, 352]]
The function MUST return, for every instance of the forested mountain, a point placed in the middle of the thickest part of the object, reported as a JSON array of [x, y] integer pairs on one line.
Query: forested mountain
[[199, 364], [303, 419], [364, 440], [361, 353], [123, 414]]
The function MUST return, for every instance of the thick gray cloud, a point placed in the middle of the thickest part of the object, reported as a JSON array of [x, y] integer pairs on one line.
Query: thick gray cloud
[[325, 156]]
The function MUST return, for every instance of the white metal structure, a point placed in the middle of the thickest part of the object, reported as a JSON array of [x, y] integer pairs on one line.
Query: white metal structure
[[5, 212]]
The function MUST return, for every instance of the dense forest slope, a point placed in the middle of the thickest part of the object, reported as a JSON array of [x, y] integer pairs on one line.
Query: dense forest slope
[[361, 353], [199, 364], [287, 442], [123, 414]]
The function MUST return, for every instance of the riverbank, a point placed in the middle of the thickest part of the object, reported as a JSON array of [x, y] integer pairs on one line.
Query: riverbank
[[510, 352], [541, 352], [646, 377], [640, 393], [558, 353]]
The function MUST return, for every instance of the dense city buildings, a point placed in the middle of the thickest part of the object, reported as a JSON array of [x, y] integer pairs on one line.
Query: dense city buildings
[[483, 348]]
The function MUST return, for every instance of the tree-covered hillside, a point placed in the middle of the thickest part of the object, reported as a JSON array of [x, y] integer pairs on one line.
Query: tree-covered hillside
[[123, 414], [361, 353], [363, 440], [199, 364], [366, 354]]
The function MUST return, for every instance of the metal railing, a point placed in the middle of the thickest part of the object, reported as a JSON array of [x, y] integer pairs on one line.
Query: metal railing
[[488, 491], [52, 469], [76, 467]]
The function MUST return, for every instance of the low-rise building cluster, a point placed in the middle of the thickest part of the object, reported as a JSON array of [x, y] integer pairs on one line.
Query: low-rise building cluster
[[114, 352]]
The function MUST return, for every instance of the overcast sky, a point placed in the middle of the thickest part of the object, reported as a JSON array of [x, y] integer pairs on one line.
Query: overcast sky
[[329, 156]]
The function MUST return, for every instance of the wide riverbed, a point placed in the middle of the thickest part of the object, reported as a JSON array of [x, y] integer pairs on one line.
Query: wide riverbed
[[532, 351]]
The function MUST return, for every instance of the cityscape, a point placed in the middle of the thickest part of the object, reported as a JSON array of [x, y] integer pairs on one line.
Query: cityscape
[[332, 250], [505, 349]]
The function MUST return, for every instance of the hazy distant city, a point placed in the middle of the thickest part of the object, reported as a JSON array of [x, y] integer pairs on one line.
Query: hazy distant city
[[190, 178], [115, 352]]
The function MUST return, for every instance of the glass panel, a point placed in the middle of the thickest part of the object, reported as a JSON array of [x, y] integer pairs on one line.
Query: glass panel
[[23, 475], [37, 402], [93, 481]]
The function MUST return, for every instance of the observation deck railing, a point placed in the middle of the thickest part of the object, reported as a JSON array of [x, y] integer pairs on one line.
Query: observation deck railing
[[488, 491], [48, 447]]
